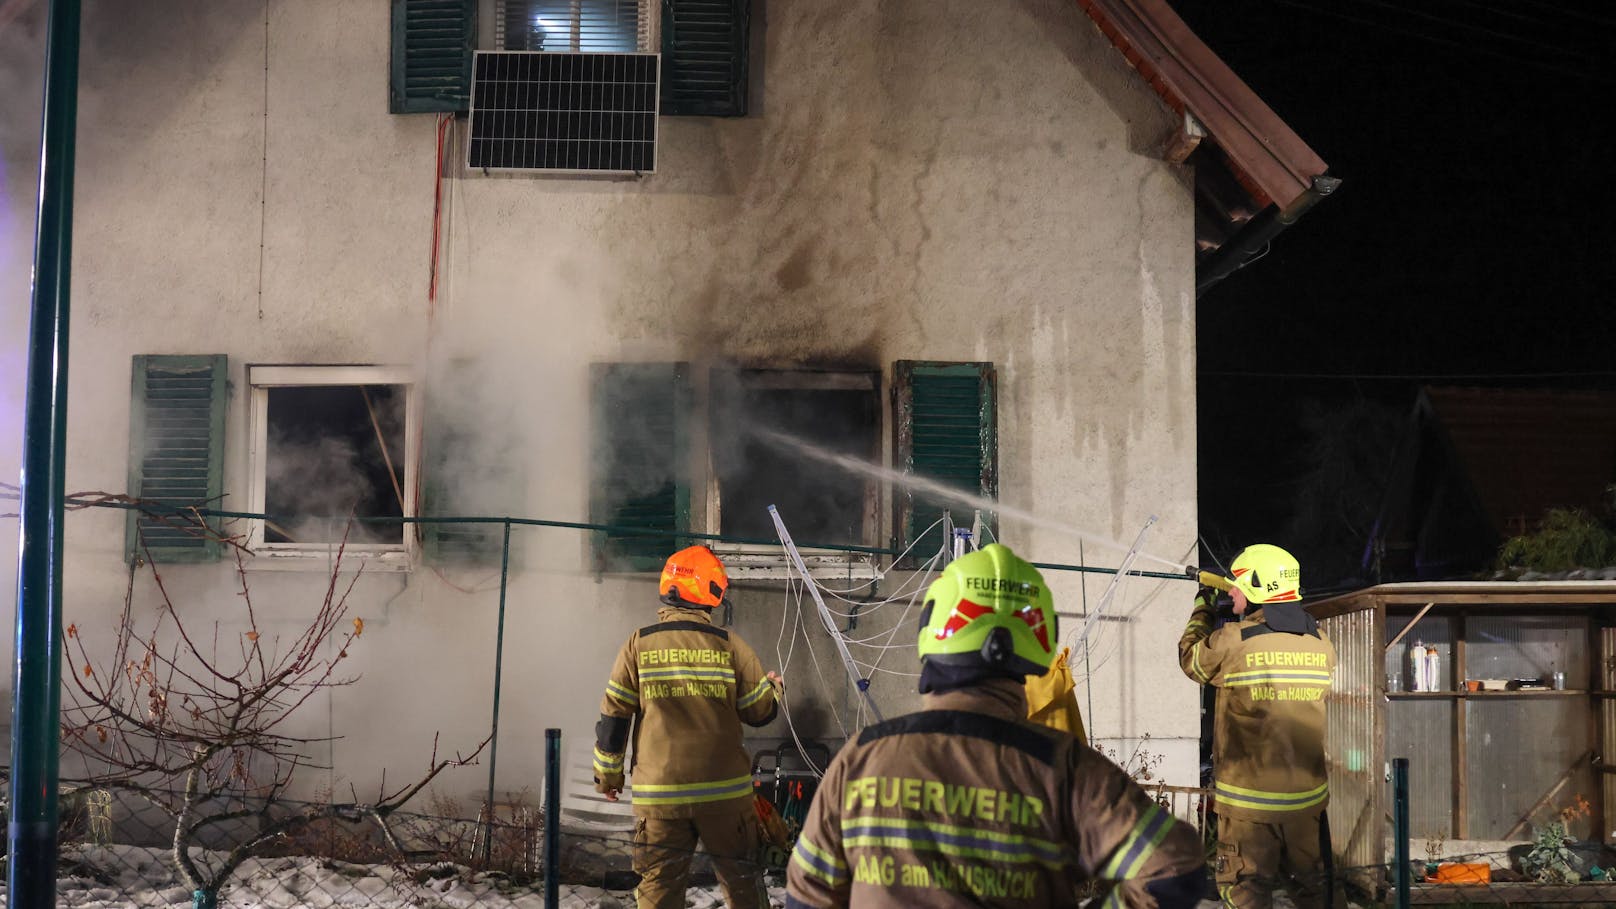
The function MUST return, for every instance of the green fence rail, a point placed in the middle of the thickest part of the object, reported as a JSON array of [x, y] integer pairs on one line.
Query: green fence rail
[[157, 509]]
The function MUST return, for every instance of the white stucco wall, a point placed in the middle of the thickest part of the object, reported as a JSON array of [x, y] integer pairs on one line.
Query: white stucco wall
[[917, 181]]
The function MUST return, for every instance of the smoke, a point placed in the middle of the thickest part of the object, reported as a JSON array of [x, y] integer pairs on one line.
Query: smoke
[[334, 451]]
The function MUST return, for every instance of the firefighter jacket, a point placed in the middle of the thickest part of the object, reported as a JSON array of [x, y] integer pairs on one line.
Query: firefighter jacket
[[1268, 729], [687, 686], [967, 803]]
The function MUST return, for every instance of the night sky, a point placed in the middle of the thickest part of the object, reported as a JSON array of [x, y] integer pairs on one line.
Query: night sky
[[1472, 242]]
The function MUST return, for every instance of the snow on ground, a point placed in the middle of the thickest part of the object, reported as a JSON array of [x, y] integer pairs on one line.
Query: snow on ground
[[119, 877]]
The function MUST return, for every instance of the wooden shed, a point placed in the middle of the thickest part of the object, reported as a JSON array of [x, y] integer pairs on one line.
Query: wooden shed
[[1484, 764]]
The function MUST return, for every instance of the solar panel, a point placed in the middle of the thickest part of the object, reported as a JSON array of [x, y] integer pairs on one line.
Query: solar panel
[[567, 112]]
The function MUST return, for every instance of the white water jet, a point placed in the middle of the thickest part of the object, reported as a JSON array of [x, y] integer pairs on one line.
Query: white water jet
[[943, 491]]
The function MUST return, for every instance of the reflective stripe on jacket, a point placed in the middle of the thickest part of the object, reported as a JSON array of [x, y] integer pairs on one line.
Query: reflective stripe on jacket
[[688, 685], [968, 804], [1268, 734]]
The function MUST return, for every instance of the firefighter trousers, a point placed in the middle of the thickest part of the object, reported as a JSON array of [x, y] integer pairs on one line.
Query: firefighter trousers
[[663, 848], [1255, 859]]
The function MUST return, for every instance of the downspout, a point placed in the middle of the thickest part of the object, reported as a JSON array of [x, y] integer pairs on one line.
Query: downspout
[[1258, 233]]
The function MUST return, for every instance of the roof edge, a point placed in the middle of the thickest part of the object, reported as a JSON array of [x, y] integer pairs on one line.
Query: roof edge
[[1266, 155]]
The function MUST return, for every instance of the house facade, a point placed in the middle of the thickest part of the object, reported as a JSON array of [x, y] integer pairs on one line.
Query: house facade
[[938, 242]]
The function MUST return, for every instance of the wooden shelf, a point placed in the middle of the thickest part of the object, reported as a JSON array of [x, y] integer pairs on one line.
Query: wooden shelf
[[1439, 695]]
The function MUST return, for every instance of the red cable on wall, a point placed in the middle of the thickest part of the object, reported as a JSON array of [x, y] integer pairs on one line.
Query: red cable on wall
[[437, 205]]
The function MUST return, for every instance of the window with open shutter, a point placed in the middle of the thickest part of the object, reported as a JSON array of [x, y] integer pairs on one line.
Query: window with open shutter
[[431, 55], [640, 481], [176, 449], [704, 51], [946, 430]]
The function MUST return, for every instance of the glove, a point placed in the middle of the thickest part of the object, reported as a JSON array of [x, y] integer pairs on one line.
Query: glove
[[611, 784]]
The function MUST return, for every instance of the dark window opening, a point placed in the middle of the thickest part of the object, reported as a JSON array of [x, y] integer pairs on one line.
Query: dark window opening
[[820, 501], [334, 451]]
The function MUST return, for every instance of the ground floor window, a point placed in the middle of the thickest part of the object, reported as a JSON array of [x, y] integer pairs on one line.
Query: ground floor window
[[771, 431], [679, 451], [330, 444]]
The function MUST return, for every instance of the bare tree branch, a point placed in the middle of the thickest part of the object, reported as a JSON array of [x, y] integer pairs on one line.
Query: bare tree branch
[[195, 725]]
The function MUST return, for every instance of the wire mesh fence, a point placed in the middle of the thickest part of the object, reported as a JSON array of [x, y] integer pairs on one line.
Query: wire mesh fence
[[118, 852]]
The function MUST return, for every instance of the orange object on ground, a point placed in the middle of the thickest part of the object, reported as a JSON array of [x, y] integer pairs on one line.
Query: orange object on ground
[[771, 827], [1462, 873]]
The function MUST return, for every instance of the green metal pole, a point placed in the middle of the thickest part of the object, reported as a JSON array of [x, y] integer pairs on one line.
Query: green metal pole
[[1400, 829], [499, 660], [36, 674], [552, 818]]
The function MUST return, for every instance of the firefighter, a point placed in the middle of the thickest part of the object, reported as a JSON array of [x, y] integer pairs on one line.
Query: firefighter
[[685, 686], [968, 803], [1271, 669]]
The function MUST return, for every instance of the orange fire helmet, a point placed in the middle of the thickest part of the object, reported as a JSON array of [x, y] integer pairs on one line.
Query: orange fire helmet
[[695, 576]]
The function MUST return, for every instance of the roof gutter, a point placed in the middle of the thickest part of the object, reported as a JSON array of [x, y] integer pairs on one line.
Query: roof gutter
[[1244, 247]]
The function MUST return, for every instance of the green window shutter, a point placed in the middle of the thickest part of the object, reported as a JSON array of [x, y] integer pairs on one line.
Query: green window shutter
[[431, 55], [469, 468], [947, 430], [176, 453], [641, 415], [704, 51]]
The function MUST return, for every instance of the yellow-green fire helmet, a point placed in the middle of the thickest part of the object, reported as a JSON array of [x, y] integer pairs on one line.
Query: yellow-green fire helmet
[[1267, 574], [989, 608]]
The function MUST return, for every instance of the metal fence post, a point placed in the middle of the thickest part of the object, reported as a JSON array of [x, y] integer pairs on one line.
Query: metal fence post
[[1400, 827], [499, 667], [36, 671], [552, 818]]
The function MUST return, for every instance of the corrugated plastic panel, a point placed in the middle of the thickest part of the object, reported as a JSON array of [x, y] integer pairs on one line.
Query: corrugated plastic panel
[[1432, 630], [1528, 647], [1422, 731], [1607, 727], [1350, 740], [1519, 749]]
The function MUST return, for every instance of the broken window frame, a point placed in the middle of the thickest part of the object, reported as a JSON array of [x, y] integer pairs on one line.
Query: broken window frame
[[764, 561], [394, 556]]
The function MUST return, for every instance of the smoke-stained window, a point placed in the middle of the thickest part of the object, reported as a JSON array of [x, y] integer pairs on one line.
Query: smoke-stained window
[[333, 457], [765, 423]]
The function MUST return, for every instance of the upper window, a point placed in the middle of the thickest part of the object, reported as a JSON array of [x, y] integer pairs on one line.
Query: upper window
[[333, 458], [703, 45], [589, 26]]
